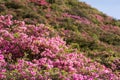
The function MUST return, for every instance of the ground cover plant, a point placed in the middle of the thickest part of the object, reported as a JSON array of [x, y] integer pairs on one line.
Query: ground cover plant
[[57, 40]]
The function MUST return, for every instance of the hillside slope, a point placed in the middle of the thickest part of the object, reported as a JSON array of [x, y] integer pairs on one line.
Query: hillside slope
[[86, 30]]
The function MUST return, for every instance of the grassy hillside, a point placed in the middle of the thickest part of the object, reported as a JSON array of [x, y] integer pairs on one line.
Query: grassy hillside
[[85, 29]]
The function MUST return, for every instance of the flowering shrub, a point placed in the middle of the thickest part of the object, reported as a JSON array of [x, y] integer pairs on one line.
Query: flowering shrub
[[65, 66], [98, 17], [40, 2], [2, 67], [82, 20], [110, 28], [36, 55]]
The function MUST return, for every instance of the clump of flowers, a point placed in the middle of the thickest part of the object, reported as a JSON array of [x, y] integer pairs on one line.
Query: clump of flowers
[[40, 2], [111, 28], [78, 18], [32, 52], [2, 67], [98, 17]]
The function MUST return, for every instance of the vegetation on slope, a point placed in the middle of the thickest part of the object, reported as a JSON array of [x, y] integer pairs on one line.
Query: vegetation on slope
[[84, 28]]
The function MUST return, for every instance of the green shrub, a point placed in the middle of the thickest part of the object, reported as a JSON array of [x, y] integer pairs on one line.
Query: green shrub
[[110, 38], [13, 5]]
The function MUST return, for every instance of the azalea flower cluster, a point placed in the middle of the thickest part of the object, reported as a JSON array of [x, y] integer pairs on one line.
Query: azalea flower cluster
[[40, 2], [80, 19], [33, 53], [2, 65], [98, 17], [111, 28]]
